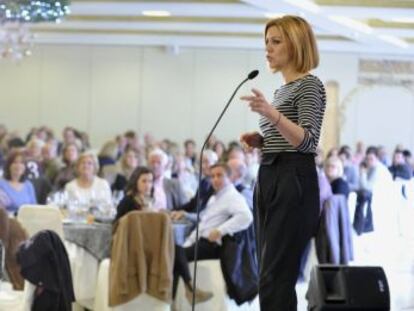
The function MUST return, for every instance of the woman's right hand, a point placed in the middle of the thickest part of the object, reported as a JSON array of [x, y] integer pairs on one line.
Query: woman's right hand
[[251, 140]]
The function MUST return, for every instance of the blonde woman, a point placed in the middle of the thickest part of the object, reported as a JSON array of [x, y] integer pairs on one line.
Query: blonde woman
[[334, 170], [287, 201], [87, 187], [124, 168]]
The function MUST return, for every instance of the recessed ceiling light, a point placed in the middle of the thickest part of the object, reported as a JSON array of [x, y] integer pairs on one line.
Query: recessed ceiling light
[[156, 13]]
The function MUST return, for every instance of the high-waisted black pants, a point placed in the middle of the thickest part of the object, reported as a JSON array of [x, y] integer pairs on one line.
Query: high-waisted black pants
[[286, 217]]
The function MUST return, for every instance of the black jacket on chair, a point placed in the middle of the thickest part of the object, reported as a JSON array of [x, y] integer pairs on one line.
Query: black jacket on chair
[[44, 263], [239, 265]]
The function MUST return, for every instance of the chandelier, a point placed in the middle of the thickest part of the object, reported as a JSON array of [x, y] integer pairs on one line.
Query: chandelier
[[16, 40]]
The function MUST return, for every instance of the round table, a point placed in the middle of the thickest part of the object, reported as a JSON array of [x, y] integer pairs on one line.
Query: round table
[[96, 237]]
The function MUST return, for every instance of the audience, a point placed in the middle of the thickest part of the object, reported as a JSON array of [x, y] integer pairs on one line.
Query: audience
[[372, 170], [16, 188], [139, 192], [118, 174], [238, 171], [206, 190], [87, 187], [70, 154], [225, 214], [334, 171], [190, 153], [400, 168], [168, 193], [108, 154], [351, 173]]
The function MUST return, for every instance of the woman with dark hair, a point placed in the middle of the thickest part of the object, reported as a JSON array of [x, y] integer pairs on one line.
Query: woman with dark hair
[[18, 190], [70, 154], [139, 192]]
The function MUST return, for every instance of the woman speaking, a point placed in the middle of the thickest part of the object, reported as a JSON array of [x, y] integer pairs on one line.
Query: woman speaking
[[286, 194]]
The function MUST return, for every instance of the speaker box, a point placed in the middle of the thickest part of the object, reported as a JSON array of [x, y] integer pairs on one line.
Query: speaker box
[[334, 287]]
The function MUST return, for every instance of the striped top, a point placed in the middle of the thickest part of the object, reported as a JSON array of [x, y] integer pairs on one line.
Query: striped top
[[303, 102]]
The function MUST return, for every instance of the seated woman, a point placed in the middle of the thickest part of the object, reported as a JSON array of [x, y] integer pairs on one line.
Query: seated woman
[[139, 192], [87, 187], [70, 154], [108, 154], [334, 170], [17, 190], [118, 175]]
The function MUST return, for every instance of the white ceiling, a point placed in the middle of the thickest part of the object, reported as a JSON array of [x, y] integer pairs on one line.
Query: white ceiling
[[364, 26]]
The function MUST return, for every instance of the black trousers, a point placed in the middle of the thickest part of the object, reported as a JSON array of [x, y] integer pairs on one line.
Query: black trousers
[[206, 250], [286, 217]]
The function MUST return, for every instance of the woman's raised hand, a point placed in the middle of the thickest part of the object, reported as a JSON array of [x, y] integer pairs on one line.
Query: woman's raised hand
[[258, 103]]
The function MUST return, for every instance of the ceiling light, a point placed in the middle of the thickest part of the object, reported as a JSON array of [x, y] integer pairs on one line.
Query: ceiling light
[[32, 11], [351, 23], [16, 17], [306, 5], [156, 13]]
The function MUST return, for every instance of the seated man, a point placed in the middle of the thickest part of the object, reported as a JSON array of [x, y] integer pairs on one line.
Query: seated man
[[238, 169], [225, 214], [376, 189], [206, 190], [168, 193], [400, 168]]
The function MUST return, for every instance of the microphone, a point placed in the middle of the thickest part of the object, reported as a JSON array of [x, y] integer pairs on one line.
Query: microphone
[[250, 76], [253, 74]]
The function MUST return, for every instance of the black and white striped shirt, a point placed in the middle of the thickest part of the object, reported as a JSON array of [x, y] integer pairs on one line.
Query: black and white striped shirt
[[303, 102]]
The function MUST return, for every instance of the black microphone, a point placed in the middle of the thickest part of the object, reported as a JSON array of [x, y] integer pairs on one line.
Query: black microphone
[[253, 74], [250, 76]]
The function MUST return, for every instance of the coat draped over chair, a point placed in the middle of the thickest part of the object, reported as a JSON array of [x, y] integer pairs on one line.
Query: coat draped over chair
[[142, 257], [12, 234]]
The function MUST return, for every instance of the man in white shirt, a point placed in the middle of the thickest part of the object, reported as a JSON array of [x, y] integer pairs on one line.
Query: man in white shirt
[[226, 213]]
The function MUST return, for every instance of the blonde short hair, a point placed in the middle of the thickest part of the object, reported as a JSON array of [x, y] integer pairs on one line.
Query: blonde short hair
[[300, 39], [88, 154], [337, 163]]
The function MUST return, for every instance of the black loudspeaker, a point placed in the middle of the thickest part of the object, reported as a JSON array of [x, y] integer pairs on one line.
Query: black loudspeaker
[[334, 287]]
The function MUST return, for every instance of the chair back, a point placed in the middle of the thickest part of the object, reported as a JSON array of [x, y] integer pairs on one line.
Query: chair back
[[35, 218]]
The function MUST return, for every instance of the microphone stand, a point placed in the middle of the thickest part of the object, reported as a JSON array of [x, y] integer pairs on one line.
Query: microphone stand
[[251, 76]]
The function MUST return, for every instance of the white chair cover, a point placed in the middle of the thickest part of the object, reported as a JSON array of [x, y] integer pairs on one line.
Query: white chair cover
[[17, 300], [143, 302], [84, 274], [40, 217]]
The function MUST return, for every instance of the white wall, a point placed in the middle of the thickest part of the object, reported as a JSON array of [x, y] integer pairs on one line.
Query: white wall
[[107, 90]]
